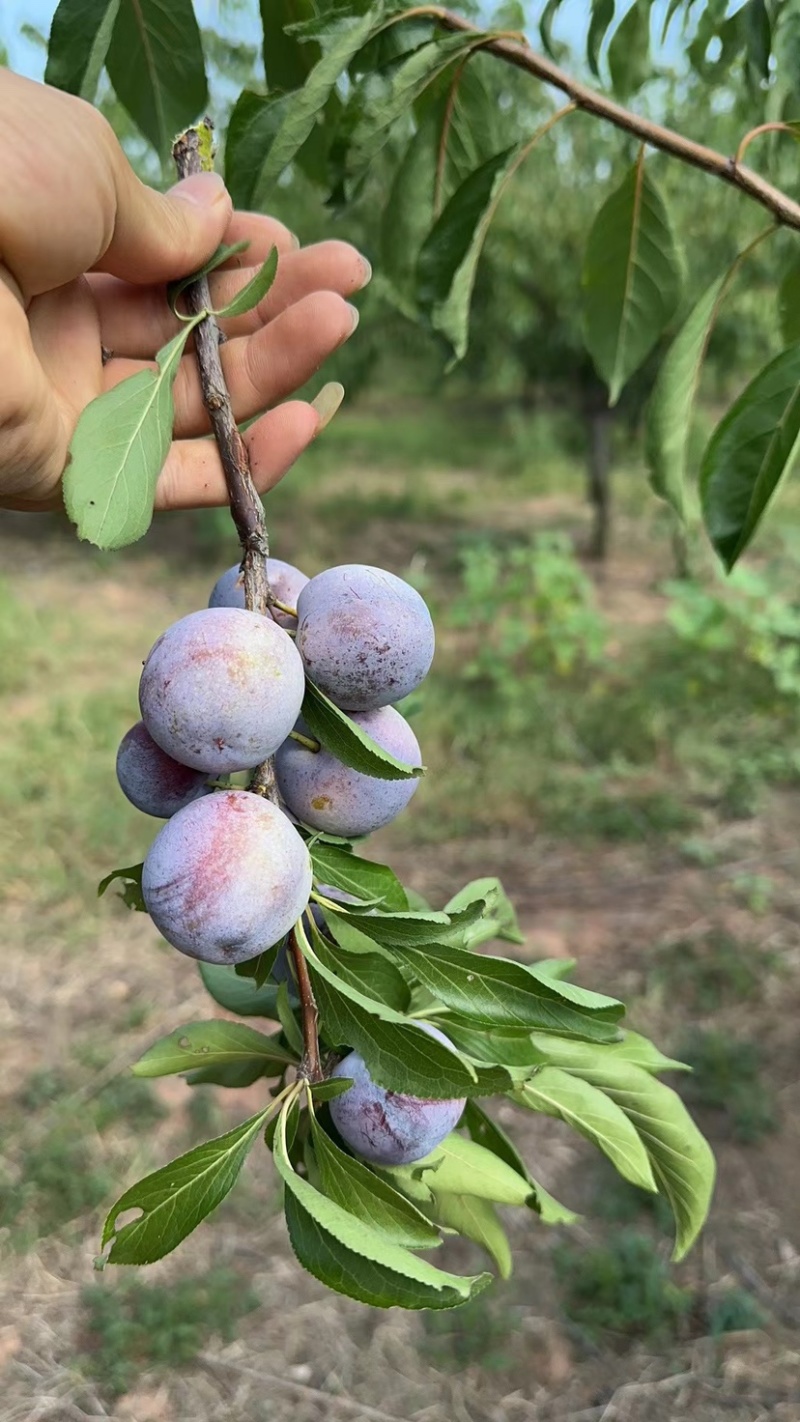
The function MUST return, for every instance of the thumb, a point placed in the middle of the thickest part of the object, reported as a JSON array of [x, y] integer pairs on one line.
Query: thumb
[[160, 236]]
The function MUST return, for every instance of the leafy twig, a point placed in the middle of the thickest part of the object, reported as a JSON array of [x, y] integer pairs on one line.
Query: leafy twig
[[189, 152], [311, 1066]]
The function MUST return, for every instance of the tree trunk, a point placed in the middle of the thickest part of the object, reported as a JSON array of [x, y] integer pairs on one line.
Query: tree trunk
[[599, 423]]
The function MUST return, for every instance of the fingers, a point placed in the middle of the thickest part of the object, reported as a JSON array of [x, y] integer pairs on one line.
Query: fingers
[[263, 233], [160, 236], [192, 477], [137, 321], [263, 368]]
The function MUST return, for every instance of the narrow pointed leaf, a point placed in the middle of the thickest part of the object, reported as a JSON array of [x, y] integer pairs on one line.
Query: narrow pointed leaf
[[629, 60], [155, 62], [348, 742], [80, 35], [118, 450], [752, 448], [546, 26], [301, 108], [487, 1133], [585, 1107], [175, 1199], [212, 1044], [329, 1242], [222, 254], [462, 1166], [631, 278], [287, 61], [577, 1056], [500, 916], [599, 25], [255, 290], [477, 1220], [670, 406], [789, 295], [369, 1197]]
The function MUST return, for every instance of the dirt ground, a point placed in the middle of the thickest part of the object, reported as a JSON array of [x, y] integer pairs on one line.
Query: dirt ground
[[305, 1355]]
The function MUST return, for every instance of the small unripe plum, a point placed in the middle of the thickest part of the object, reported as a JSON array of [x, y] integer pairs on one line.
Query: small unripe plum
[[152, 780], [323, 793], [221, 689], [365, 636], [387, 1127], [286, 583], [226, 877]]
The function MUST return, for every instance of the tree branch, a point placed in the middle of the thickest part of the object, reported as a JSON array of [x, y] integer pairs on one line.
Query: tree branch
[[311, 1066], [246, 509], [782, 208]]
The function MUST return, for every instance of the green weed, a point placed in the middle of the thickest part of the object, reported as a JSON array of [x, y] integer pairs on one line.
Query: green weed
[[130, 1327], [710, 971], [623, 1288], [477, 1333], [727, 1078]]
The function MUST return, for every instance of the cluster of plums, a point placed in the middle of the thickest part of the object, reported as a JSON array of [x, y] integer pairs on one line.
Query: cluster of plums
[[221, 691]]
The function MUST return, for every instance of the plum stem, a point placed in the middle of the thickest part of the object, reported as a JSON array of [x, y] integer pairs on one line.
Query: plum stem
[[193, 153], [311, 1065], [306, 741]]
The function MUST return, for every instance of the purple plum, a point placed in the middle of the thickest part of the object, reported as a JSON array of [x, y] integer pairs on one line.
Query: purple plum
[[152, 780], [365, 636], [226, 877], [221, 689], [387, 1127], [286, 582], [323, 793]]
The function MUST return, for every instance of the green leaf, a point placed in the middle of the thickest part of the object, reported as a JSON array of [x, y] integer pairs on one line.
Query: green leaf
[[369, 1197], [789, 300], [118, 450], [487, 1133], [753, 446], [475, 1219], [463, 1167], [500, 993], [155, 62], [222, 254], [500, 916], [509, 1047], [575, 1056], [670, 405], [80, 34], [252, 127], [546, 26], [326, 1090], [362, 878], [355, 1259], [372, 973], [300, 109], [590, 1112], [287, 1019], [448, 261], [631, 278], [131, 879], [203, 1044], [599, 25], [757, 30], [415, 929], [255, 290], [287, 62], [681, 1160], [629, 51], [235, 1076], [382, 100], [175, 1199], [259, 969], [348, 742], [238, 994]]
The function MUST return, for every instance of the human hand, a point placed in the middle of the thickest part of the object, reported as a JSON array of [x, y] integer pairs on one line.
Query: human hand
[[85, 252]]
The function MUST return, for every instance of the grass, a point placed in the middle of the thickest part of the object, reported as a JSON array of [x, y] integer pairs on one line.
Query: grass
[[729, 1080], [622, 1290], [712, 970], [130, 1327]]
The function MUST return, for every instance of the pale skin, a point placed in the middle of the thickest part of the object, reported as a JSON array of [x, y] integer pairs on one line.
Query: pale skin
[[85, 252]]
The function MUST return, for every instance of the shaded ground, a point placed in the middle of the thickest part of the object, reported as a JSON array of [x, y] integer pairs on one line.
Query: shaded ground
[[86, 987]]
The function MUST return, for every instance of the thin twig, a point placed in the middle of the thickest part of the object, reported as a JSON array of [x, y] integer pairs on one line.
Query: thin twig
[[783, 208], [246, 509], [311, 1065]]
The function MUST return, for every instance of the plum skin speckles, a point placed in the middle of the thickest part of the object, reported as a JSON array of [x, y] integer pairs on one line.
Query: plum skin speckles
[[365, 636], [226, 877], [152, 781], [286, 583], [221, 689], [388, 1127], [323, 793]]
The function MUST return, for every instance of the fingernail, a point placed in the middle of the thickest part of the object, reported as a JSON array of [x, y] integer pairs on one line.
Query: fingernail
[[327, 403], [355, 315], [296, 243], [202, 190], [367, 277]]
